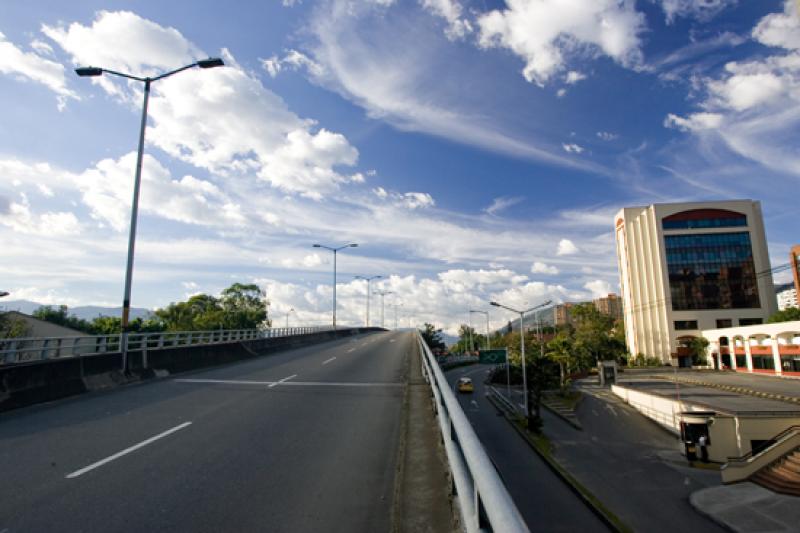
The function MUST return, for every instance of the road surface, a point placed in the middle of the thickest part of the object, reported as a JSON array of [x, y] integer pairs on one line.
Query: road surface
[[304, 440]]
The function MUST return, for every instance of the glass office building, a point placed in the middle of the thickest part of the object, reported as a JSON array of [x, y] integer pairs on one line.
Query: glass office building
[[688, 267]]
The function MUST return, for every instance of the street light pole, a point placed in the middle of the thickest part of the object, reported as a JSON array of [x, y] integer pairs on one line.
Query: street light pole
[[335, 251], [368, 279], [289, 312], [383, 294], [522, 345], [97, 71], [488, 342]]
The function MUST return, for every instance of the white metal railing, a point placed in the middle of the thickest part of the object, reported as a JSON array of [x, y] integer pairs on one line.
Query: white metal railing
[[484, 502], [22, 350]]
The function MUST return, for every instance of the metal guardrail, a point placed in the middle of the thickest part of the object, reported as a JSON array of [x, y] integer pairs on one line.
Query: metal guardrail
[[22, 350], [484, 502]]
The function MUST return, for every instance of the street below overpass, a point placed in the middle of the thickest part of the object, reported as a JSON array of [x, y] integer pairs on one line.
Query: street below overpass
[[303, 440], [546, 503]]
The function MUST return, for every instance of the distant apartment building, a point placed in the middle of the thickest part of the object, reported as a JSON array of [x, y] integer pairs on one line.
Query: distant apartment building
[[689, 267], [561, 314], [610, 305], [787, 296]]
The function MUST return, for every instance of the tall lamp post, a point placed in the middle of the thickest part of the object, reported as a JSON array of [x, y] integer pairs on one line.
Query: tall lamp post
[[335, 251], [289, 312], [488, 342], [522, 344], [97, 71], [368, 280], [383, 294]]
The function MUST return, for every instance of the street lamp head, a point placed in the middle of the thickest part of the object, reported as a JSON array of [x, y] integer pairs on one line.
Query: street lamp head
[[88, 71], [317, 246], [494, 304], [3, 293], [353, 245], [211, 62]]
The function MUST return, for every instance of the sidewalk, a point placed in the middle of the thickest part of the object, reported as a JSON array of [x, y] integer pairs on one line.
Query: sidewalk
[[749, 508], [631, 465]]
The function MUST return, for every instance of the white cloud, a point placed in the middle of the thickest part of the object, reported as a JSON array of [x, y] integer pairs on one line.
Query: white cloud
[[542, 268], [408, 200], [502, 203], [702, 10], [572, 148], [20, 218], [451, 11], [566, 247], [542, 32], [561, 93], [599, 288], [293, 60], [34, 67], [223, 119], [694, 122], [607, 136], [573, 77], [753, 107]]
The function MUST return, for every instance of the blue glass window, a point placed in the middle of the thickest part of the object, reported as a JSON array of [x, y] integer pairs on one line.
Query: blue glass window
[[711, 271]]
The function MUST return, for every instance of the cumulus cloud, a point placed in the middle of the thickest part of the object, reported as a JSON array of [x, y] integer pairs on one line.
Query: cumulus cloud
[[753, 106], [408, 200], [32, 66], [542, 268], [573, 77], [543, 32], [223, 120], [566, 247], [599, 288]]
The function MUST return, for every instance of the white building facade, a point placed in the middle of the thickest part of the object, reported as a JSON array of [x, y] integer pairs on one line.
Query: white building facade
[[690, 267], [787, 298]]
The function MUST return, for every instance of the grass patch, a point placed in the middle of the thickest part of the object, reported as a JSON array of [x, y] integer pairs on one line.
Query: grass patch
[[571, 398]]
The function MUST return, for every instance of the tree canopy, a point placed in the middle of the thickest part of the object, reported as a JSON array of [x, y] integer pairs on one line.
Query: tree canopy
[[787, 315], [432, 337]]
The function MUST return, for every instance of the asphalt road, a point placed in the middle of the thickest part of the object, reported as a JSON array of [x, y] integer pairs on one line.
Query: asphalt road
[[545, 501], [304, 440]]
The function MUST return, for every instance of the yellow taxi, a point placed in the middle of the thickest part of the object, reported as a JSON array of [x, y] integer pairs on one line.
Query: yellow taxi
[[465, 385]]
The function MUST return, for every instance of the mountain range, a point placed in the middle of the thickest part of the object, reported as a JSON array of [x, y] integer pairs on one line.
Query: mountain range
[[86, 312]]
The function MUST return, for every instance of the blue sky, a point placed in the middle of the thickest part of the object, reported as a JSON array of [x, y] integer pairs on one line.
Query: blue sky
[[475, 150]]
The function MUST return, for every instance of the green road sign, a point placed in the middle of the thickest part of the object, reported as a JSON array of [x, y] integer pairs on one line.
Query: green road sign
[[493, 357]]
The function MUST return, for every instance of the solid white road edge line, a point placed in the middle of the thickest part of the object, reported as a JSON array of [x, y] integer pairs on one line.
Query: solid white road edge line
[[127, 451], [281, 381], [294, 383], [328, 361]]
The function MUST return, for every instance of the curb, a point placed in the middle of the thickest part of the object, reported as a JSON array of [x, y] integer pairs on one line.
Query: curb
[[568, 420], [701, 511], [613, 523]]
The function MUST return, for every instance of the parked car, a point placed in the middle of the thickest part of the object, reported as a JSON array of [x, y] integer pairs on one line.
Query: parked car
[[465, 385]]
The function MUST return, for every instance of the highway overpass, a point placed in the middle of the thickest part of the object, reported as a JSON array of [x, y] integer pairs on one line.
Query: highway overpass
[[337, 436]]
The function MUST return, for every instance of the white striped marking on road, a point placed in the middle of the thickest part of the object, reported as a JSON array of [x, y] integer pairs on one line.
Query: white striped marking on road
[[127, 451], [328, 361], [292, 383], [282, 381], [351, 350]]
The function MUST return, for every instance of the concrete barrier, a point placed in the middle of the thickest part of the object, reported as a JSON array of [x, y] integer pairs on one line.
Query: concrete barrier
[[41, 381]]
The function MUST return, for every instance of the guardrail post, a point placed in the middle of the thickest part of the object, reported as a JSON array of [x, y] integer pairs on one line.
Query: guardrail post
[[43, 353]]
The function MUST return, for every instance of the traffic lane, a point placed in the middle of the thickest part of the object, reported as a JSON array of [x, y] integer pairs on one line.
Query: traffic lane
[[42, 445], [383, 360], [33, 439], [544, 500], [293, 459]]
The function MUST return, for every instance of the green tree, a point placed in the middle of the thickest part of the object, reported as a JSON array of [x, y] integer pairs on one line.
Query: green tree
[[12, 327], [432, 337], [787, 315], [60, 315], [560, 351], [697, 347], [244, 307]]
